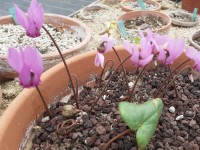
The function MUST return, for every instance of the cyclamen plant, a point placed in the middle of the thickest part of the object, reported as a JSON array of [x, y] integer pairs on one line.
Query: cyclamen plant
[[142, 118]]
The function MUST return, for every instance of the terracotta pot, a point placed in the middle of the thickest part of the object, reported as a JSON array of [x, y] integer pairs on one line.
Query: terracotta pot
[[142, 13], [184, 23], [1, 98], [92, 8], [17, 118], [189, 5], [193, 37], [52, 58], [125, 8]]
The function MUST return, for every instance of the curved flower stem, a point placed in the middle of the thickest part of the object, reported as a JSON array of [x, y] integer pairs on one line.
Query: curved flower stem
[[138, 77], [176, 91], [76, 95], [42, 98], [174, 78], [163, 84], [115, 138], [129, 93], [66, 67], [105, 66], [105, 87]]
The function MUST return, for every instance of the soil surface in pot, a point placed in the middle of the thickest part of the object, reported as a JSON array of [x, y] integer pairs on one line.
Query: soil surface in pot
[[136, 6], [141, 23], [181, 17], [15, 36], [96, 128]]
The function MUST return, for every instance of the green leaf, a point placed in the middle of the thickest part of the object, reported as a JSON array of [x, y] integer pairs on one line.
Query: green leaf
[[142, 118], [137, 40]]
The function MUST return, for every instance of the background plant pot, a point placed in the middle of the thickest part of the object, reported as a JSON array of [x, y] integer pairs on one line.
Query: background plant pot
[[193, 37], [184, 23], [92, 9], [23, 110], [142, 13], [189, 5], [125, 8], [51, 58]]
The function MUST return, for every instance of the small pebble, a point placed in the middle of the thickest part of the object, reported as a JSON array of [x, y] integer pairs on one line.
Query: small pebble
[[46, 119], [130, 84], [172, 109], [179, 117]]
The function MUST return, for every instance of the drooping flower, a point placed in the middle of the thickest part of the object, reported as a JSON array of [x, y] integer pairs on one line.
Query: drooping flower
[[170, 50], [195, 56], [136, 58], [28, 63], [105, 46], [33, 20]]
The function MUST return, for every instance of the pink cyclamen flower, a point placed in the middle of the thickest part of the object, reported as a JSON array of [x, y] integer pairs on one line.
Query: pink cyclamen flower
[[171, 50], [28, 63], [136, 58], [105, 46], [33, 20], [195, 56]]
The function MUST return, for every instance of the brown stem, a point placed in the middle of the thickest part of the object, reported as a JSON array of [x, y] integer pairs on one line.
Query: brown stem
[[163, 84], [105, 66], [129, 93], [65, 64], [115, 138], [76, 95], [138, 77], [102, 92], [176, 91], [42, 98], [174, 78]]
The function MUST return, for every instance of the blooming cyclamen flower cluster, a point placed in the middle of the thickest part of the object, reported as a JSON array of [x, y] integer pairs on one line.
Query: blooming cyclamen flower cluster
[[153, 45]]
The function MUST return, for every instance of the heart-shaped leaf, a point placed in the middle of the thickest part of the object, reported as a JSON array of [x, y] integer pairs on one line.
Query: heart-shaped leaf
[[142, 118]]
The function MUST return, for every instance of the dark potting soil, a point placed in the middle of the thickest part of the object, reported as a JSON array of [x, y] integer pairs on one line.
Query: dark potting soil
[[103, 122], [181, 17], [141, 23]]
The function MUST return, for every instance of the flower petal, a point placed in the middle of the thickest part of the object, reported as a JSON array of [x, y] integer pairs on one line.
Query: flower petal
[[144, 62], [25, 77], [33, 60], [162, 55], [21, 17], [135, 55], [15, 59], [128, 46], [99, 60], [109, 44]]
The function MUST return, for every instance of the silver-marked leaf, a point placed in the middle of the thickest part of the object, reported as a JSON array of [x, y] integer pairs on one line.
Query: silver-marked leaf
[[142, 118]]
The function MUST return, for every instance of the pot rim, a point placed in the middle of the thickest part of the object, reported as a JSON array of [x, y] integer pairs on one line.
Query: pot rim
[[146, 1], [69, 51], [195, 35], [149, 12], [182, 23]]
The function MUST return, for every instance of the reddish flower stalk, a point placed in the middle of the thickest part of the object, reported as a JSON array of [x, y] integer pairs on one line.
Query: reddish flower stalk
[[139, 76], [105, 67], [42, 98], [65, 64], [174, 78], [163, 84], [176, 91], [105, 87], [115, 138], [129, 93]]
